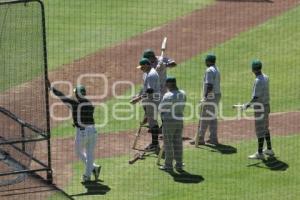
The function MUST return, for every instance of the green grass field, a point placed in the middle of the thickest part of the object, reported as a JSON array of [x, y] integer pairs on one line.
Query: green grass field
[[74, 30], [212, 175], [278, 52], [21, 57], [81, 28], [74, 33]]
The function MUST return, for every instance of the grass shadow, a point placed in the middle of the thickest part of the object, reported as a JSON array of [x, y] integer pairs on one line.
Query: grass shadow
[[35, 184], [222, 148], [186, 177], [274, 164], [93, 188], [271, 163]]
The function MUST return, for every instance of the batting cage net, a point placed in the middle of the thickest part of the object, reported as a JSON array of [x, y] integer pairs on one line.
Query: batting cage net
[[149, 99], [24, 120]]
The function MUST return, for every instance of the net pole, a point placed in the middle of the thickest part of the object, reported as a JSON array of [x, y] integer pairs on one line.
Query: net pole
[[49, 172]]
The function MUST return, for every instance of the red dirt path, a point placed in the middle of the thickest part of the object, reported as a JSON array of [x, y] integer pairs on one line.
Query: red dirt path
[[187, 37]]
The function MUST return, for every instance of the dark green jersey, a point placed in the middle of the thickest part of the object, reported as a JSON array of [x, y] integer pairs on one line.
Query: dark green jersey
[[82, 109]]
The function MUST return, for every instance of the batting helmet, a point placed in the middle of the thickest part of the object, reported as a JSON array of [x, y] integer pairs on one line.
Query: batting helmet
[[171, 79], [80, 90], [143, 61], [210, 58], [256, 65], [148, 53]]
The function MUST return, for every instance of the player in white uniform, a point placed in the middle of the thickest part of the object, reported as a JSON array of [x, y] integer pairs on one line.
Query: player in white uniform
[[160, 64], [83, 121], [210, 102], [150, 97], [261, 104], [171, 109]]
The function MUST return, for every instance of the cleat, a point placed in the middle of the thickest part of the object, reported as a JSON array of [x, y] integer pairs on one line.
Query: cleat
[[214, 142], [257, 155], [96, 172], [179, 168], [269, 152], [86, 178], [201, 142], [164, 168]]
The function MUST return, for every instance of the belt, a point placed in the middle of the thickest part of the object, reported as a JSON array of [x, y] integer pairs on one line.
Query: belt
[[80, 128]]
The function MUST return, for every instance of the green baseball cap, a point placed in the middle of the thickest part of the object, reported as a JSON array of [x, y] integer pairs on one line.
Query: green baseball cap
[[256, 64], [80, 89], [171, 79], [143, 61], [210, 58], [148, 53]]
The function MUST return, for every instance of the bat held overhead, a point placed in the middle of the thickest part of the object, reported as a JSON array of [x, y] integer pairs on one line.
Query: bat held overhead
[[163, 46]]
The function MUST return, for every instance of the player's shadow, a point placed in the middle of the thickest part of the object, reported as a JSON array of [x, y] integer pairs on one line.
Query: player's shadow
[[93, 188], [185, 177], [254, 1], [271, 163], [274, 164], [222, 148]]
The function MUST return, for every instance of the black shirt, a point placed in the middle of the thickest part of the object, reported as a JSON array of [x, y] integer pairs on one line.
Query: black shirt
[[82, 109]]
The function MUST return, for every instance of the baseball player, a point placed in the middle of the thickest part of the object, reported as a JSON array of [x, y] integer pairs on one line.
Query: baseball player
[[150, 97], [260, 102], [171, 109], [210, 102], [160, 64], [83, 121]]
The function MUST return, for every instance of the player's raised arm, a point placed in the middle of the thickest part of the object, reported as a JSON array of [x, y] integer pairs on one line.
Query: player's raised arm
[[60, 94]]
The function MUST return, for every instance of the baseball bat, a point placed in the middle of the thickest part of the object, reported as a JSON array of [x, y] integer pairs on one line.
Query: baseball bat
[[197, 136], [161, 151], [163, 46], [237, 106], [137, 135], [136, 157], [197, 132]]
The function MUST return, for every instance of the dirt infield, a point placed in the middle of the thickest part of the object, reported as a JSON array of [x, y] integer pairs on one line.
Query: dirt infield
[[117, 144], [187, 37]]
